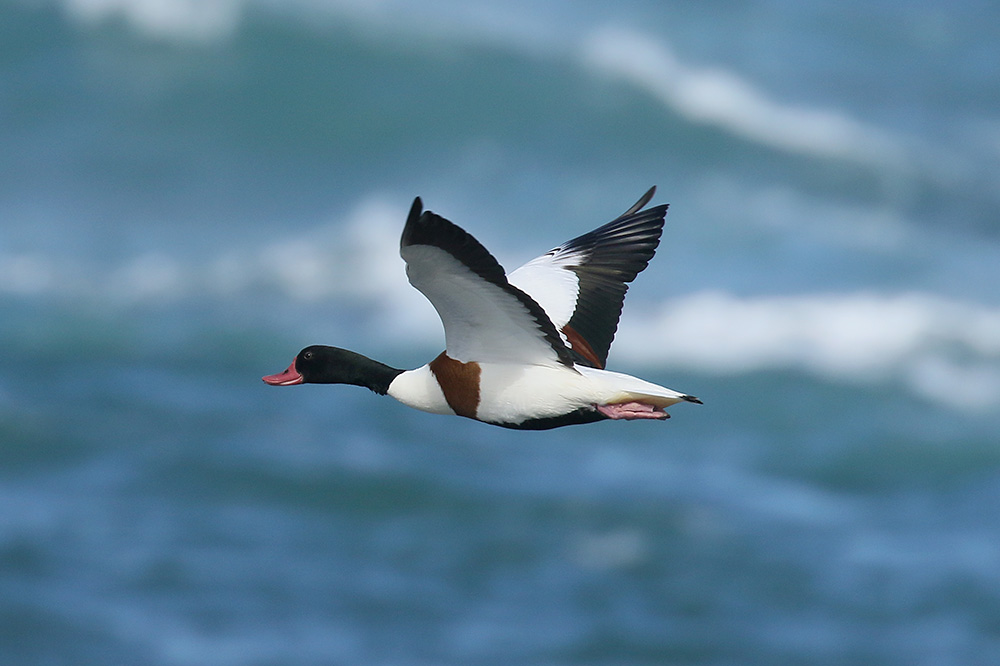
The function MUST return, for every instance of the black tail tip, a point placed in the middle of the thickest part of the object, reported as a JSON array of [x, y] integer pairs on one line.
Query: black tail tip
[[691, 398]]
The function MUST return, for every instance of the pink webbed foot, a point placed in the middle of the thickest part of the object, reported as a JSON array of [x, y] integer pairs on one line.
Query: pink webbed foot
[[632, 410]]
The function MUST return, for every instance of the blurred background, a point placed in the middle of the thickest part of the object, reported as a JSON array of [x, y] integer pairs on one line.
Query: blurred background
[[190, 192]]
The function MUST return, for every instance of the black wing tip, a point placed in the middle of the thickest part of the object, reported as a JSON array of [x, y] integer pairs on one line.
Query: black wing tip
[[641, 203], [424, 227], [624, 245], [691, 398], [612, 256], [412, 222]]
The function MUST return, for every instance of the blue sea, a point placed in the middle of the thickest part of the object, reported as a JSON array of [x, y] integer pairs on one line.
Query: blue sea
[[191, 191]]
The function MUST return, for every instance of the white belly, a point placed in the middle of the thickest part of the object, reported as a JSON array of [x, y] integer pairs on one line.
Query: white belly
[[512, 394], [515, 393]]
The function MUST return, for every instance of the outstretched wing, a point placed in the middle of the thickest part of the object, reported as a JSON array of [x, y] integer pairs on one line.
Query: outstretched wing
[[486, 319], [581, 284]]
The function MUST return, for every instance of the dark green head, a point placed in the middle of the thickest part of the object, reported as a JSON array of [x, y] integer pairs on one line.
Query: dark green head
[[320, 364]]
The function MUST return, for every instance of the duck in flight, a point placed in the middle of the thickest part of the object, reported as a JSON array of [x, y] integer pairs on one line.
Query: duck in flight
[[525, 350]]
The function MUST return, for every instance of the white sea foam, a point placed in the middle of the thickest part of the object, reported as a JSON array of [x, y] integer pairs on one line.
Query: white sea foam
[[26, 274], [705, 95], [201, 20], [939, 348], [942, 349], [717, 97], [152, 276], [355, 257]]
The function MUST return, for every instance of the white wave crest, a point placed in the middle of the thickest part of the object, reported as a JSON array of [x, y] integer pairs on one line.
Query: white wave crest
[[26, 274], [942, 349], [720, 98], [197, 20]]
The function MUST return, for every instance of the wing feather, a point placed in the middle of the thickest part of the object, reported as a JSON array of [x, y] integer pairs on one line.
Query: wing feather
[[582, 283], [485, 318]]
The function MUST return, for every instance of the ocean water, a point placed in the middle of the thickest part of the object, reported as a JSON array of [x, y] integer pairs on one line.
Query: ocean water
[[190, 192]]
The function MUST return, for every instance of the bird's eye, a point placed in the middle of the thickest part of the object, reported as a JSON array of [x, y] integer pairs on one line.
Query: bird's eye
[[307, 356]]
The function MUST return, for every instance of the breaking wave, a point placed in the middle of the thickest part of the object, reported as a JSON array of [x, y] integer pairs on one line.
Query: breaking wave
[[198, 20], [941, 348], [718, 97], [704, 95]]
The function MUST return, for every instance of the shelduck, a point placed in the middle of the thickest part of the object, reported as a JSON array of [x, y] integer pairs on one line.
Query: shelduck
[[525, 350]]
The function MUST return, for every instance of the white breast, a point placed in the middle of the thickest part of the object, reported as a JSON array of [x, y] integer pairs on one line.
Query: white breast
[[419, 389]]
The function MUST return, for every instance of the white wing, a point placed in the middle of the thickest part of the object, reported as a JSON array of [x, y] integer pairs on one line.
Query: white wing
[[486, 319]]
